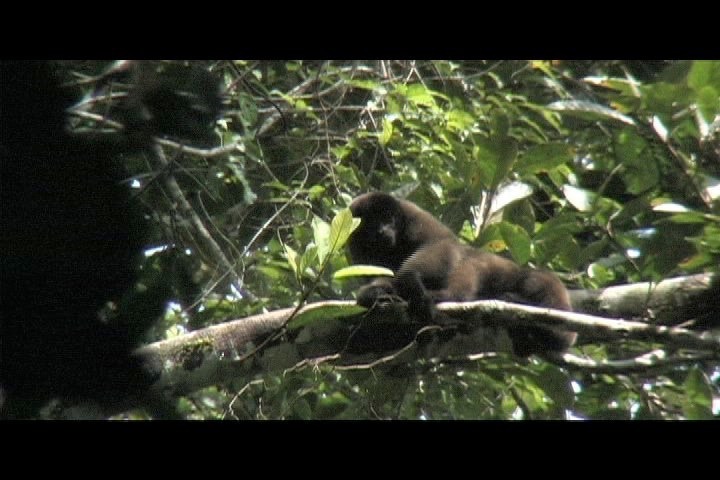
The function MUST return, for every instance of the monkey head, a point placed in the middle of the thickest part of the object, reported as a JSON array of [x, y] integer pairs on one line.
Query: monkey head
[[391, 230]]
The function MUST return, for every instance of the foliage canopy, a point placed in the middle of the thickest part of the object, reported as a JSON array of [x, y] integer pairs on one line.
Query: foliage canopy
[[606, 172]]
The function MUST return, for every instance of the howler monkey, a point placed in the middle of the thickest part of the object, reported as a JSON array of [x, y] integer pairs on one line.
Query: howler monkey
[[432, 266], [391, 230]]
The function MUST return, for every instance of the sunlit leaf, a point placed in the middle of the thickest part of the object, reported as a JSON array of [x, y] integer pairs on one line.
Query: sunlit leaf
[[362, 271], [321, 233], [579, 198], [342, 225], [589, 111], [671, 208], [292, 258], [387, 132]]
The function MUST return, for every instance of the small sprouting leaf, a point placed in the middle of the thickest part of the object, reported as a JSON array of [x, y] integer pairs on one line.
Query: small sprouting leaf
[[387, 131], [308, 259], [292, 257], [342, 225], [321, 234]]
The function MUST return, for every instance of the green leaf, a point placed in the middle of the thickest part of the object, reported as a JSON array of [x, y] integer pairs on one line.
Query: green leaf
[[508, 194], [362, 271], [579, 198], [500, 124], [316, 191], [676, 72], [622, 85], [292, 258], [364, 84], [494, 157], [309, 259], [459, 120], [387, 131], [542, 158], [301, 409], [520, 213], [600, 274], [698, 399], [640, 173], [666, 98], [419, 94], [696, 262], [507, 153], [247, 109], [330, 406], [556, 384], [631, 209], [592, 251], [589, 111], [689, 217], [279, 357], [342, 225], [321, 234], [704, 73], [319, 313], [568, 254], [708, 101], [517, 240]]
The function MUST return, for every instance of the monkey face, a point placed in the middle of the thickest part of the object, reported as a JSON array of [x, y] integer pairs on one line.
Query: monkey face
[[382, 220], [387, 233]]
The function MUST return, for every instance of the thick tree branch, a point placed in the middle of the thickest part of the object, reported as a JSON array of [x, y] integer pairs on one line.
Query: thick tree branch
[[586, 325], [331, 331], [670, 302]]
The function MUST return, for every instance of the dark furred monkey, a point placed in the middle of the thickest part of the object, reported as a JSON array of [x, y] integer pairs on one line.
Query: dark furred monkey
[[432, 266], [449, 271], [391, 230]]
